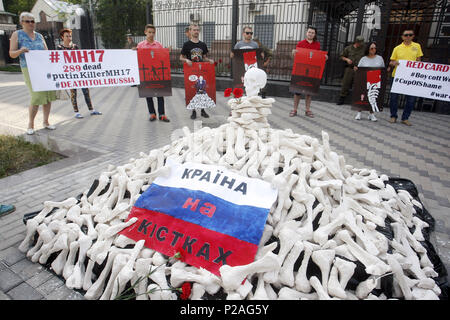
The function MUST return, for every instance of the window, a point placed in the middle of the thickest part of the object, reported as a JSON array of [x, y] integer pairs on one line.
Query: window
[[264, 29]]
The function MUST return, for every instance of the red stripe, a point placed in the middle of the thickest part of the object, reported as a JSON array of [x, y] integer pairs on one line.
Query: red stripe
[[169, 235]]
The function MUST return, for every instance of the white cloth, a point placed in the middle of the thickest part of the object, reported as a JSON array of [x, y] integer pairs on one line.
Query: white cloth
[[376, 62]]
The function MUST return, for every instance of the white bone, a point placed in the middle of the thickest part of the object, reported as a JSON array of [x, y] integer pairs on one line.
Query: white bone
[[32, 226], [373, 264], [334, 287], [110, 293], [323, 259], [315, 283], [290, 294], [287, 269], [232, 277]]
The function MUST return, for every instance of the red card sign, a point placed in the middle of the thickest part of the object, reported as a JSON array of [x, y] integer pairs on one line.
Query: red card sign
[[154, 72], [307, 71]]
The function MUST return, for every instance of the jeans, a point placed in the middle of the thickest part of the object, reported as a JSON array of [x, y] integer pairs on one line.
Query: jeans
[[151, 107], [409, 105], [393, 104]]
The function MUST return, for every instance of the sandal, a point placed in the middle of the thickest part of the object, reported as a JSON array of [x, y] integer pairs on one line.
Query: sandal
[[309, 113], [164, 118], [293, 113]]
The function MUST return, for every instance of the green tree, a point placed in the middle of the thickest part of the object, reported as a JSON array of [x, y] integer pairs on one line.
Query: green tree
[[18, 6], [116, 18]]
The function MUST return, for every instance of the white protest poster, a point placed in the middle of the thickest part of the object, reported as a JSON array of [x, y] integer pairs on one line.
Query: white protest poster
[[75, 69], [422, 79]]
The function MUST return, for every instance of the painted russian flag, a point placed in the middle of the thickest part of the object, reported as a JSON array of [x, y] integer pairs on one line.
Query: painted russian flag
[[212, 216]]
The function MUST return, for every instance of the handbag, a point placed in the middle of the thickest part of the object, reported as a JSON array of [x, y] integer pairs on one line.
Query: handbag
[[62, 95]]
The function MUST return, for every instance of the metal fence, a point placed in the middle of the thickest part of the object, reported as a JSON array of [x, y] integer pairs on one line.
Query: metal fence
[[280, 24]]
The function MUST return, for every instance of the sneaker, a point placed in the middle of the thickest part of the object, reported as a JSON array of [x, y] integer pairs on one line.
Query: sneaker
[[164, 118], [406, 122], [372, 117], [6, 208], [152, 117], [30, 131], [358, 116], [204, 114], [50, 127], [78, 115], [393, 120], [95, 113], [193, 115]]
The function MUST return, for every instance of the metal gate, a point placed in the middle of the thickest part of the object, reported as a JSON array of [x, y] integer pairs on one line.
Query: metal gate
[[280, 24]]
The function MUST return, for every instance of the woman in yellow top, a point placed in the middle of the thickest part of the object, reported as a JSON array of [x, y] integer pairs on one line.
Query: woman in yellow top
[[407, 50]]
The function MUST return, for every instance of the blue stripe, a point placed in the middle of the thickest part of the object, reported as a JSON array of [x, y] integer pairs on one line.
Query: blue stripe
[[242, 222]]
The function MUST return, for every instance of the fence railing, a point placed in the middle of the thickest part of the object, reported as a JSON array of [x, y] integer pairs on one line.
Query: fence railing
[[280, 24]]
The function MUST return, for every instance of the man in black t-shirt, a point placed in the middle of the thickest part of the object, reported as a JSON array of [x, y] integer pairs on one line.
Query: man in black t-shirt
[[195, 50]]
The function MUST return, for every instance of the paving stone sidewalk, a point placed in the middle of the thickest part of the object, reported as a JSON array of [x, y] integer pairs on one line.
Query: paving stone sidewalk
[[419, 153]]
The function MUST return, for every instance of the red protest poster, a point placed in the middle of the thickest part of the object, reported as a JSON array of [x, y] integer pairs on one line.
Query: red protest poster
[[369, 87], [307, 71], [200, 85], [243, 60], [154, 72]]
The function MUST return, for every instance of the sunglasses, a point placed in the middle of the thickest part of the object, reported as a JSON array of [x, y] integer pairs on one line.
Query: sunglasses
[[408, 34], [249, 32], [28, 21]]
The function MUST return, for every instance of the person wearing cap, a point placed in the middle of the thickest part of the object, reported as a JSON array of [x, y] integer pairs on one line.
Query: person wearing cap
[[351, 56], [407, 50]]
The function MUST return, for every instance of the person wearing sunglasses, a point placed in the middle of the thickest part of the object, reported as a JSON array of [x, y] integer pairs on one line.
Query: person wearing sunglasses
[[247, 41], [371, 60], [407, 50], [22, 41]]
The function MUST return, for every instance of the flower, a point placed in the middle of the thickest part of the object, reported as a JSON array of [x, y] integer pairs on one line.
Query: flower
[[215, 63], [220, 60], [228, 92], [185, 291], [238, 92]]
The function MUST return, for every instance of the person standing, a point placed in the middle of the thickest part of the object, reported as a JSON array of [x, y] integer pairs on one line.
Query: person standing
[[351, 56], [66, 37], [407, 50], [195, 50], [22, 41], [370, 60], [246, 42], [151, 43], [310, 42], [130, 44]]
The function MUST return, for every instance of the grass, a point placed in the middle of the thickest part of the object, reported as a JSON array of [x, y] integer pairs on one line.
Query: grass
[[11, 68], [17, 155]]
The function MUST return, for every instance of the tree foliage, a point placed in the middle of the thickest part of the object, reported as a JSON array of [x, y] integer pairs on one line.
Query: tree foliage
[[18, 6], [116, 18]]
